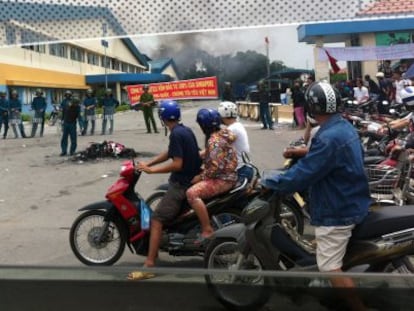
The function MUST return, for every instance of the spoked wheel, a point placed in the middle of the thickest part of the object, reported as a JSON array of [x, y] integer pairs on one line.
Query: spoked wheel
[[96, 242], [290, 212], [235, 292]]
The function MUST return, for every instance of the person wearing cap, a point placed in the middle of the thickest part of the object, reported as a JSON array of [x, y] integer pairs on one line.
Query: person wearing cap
[[109, 103], [15, 115], [70, 115], [89, 103], [147, 102], [4, 113], [39, 108]]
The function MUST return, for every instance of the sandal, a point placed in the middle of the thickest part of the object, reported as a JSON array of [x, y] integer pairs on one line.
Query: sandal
[[202, 241], [140, 275]]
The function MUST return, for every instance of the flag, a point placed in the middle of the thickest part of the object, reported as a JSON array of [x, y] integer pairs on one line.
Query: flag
[[333, 62], [267, 40]]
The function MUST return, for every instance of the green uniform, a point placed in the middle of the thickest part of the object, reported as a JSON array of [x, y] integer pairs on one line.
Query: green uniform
[[147, 110]]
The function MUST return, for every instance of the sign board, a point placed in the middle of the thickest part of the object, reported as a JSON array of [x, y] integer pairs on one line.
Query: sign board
[[202, 88]]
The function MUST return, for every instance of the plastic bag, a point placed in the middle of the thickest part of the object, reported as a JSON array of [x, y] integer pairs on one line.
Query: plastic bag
[[145, 215]]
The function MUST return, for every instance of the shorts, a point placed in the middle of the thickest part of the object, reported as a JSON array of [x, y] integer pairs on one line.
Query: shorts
[[331, 244], [170, 205]]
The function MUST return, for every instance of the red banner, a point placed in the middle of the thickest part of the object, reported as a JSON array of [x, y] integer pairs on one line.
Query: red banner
[[203, 88]]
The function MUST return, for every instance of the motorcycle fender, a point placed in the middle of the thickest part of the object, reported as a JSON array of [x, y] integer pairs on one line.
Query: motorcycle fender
[[103, 205], [233, 231]]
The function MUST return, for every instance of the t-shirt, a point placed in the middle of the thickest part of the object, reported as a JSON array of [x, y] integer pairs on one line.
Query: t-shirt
[[241, 143], [183, 144], [360, 93]]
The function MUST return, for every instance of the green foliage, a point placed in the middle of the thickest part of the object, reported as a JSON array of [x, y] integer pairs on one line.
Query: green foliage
[[26, 117], [336, 77]]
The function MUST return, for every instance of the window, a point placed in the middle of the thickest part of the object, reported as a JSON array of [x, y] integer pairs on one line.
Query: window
[[41, 48], [108, 61], [10, 34], [58, 49], [124, 67], [77, 54], [115, 64], [93, 59]]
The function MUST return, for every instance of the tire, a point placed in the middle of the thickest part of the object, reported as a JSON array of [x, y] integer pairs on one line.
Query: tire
[[239, 293], [292, 212], [83, 233], [154, 199]]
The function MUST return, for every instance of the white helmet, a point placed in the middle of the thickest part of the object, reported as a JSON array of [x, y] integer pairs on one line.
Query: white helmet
[[407, 96], [380, 75], [228, 110]]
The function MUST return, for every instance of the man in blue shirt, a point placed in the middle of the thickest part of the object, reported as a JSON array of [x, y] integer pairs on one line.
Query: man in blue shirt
[[90, 105], [4, 113], [333, 171], [39, 108], [184, 165], [15, 116], [109, 104]]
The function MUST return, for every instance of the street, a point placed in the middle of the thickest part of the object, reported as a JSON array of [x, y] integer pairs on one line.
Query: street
[[40, 192]]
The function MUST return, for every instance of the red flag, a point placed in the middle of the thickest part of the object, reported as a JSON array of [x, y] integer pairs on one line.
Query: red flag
[[267, 40], [333, 62]]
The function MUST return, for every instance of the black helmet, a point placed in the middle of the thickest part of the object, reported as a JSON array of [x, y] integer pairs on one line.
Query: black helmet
[[322, 98]]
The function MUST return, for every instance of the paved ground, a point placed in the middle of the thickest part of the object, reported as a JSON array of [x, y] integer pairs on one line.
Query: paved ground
[[40, 191]]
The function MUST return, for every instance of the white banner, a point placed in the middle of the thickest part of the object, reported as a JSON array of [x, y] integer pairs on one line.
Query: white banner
[[362, 53]]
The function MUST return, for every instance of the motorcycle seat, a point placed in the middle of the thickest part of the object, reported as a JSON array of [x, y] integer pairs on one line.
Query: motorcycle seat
[[385, 220]]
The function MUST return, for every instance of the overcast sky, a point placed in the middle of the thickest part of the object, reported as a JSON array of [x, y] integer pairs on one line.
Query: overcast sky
[[283, 46]]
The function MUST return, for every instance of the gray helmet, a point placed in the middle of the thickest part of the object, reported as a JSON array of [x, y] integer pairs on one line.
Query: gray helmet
[[68, 93], [89, 91]]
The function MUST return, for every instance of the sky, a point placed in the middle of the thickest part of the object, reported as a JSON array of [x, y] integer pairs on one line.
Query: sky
[[283, 43]]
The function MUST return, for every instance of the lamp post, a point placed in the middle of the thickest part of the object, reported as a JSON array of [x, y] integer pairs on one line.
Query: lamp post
[[105, 45]]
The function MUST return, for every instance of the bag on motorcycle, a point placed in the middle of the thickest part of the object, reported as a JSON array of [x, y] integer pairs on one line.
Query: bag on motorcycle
[[145, 215]]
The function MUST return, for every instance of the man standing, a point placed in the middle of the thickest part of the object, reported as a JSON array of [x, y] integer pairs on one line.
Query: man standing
[[70, 114], [264, 99], [4, 113], [15, 115], [183, 163], [147, 102], [109, 104], [90, 116], [333, 171], [39, 108]]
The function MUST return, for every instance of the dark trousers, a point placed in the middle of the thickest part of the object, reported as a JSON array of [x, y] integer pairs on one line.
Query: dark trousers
[[4, 120], [149, 116], [265, 115], [39, 117], [69, 130]]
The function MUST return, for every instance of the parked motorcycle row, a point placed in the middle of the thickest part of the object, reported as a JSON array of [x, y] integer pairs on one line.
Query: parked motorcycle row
[[257, 229]]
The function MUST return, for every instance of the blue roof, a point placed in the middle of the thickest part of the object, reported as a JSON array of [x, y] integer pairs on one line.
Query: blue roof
[[36, 11], [128, 78], [340, 31], [159, 65]]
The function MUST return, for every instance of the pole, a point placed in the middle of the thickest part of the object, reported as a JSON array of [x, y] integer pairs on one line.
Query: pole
[[105, 59], [267, 62]]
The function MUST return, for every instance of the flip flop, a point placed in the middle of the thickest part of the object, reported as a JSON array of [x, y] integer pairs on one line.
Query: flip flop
[[202, 241], [140, 275]]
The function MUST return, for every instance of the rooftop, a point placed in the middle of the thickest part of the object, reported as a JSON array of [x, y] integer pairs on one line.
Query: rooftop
[[382, 7]]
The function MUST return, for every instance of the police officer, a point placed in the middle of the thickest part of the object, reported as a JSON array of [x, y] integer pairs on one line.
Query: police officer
[[109, 104], [147, 102], [90, 115], [4, 113], [66, 99], [39, 108], [70, 114], [15, 117]]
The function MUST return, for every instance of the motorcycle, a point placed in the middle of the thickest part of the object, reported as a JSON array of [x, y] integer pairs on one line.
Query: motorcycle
[[99, 235], [263, 241], [54, 115]]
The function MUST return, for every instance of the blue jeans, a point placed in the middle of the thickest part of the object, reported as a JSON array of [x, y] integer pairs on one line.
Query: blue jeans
[[69, 130], [265, 115]]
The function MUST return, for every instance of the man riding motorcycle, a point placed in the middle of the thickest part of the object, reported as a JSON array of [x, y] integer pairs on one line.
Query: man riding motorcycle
[[333, 170]]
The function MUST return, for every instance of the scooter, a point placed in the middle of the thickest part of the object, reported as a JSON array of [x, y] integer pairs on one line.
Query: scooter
[[99, 235], [263, 241]]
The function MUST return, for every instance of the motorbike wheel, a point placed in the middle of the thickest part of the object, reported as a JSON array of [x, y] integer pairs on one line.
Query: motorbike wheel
[[154, 199], [291, 212], [235, 292], [84, 235]]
